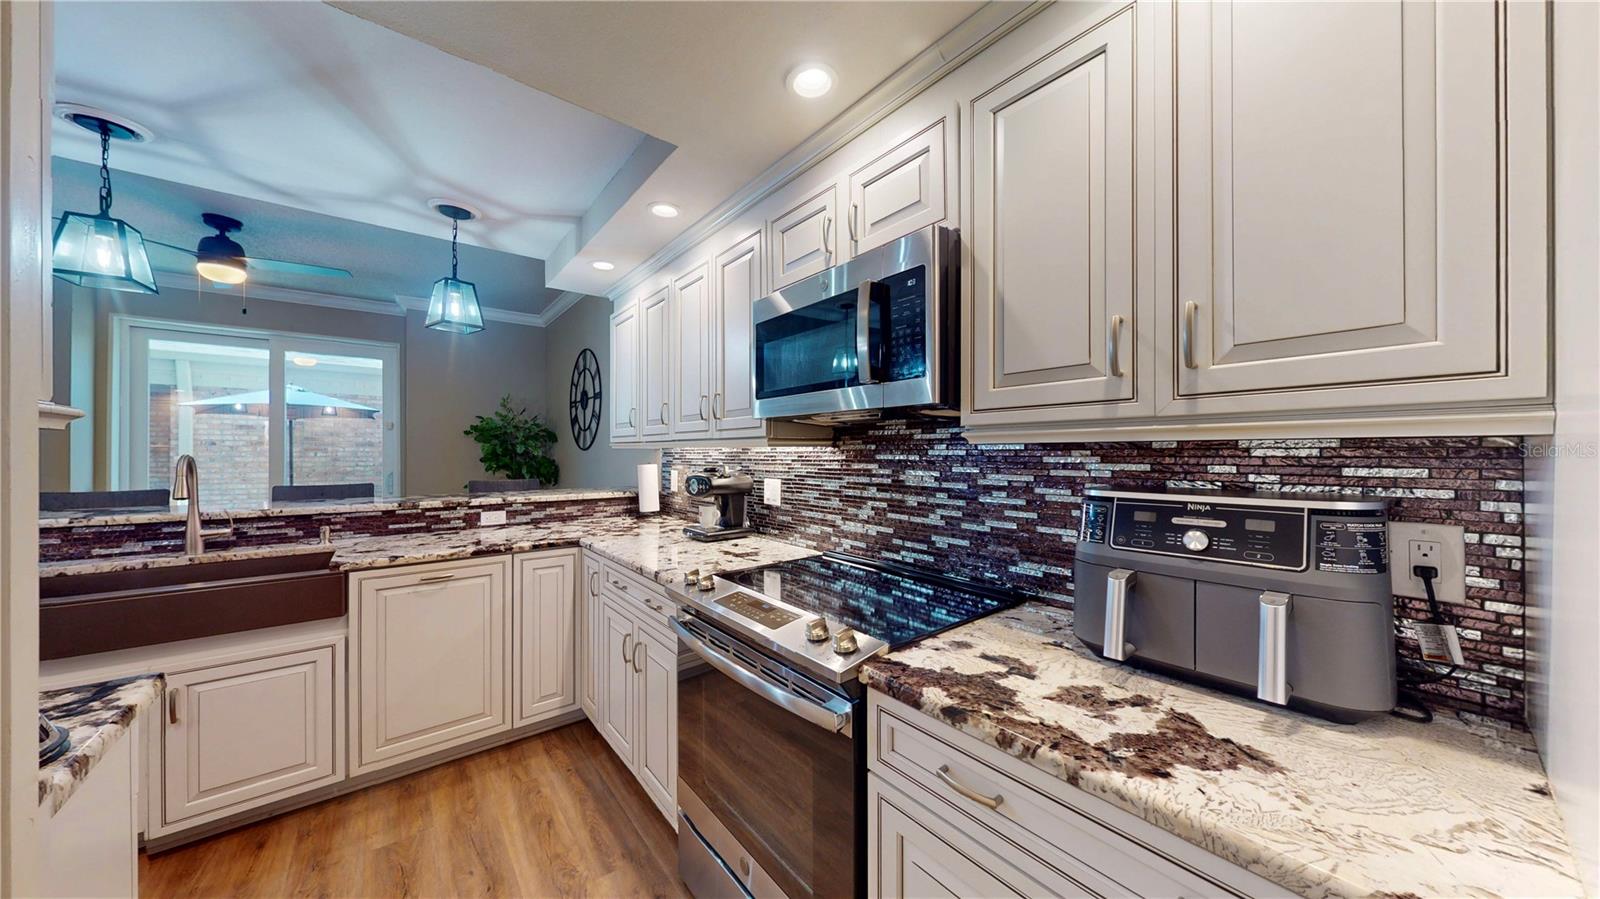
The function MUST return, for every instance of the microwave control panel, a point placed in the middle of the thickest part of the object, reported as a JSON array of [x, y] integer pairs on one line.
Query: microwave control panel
[[908, 324], [1263, 535]]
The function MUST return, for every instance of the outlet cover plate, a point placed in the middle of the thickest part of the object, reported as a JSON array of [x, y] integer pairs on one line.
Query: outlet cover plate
[[772, 491], [497, 516], [1451, 585]]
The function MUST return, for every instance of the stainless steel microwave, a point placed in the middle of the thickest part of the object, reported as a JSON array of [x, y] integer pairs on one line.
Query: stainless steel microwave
[[877, 332]]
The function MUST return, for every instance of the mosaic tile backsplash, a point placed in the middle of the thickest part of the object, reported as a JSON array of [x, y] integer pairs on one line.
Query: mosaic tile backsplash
[[917, 492]]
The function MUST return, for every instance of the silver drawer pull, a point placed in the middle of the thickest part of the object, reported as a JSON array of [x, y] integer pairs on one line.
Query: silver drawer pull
[[172, 705], [992, 802], [1114, 347], [1186, 335], [431, 578], [619, 585]]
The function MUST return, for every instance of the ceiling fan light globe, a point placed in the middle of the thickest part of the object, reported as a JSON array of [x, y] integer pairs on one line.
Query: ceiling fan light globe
[[222, 271]]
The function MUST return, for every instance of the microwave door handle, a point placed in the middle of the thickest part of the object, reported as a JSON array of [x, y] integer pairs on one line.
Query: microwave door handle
[[864, 332]]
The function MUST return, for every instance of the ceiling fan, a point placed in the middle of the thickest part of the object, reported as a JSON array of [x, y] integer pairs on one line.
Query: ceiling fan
[[221, 259]]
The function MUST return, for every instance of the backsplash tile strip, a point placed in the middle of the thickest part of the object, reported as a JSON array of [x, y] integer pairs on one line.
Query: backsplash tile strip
[[915, 491]]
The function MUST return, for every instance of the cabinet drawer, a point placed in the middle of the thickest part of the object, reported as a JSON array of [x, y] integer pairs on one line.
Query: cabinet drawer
[[647, 600], [1079, 848]]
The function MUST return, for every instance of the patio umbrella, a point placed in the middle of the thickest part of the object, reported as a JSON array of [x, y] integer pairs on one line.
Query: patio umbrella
[[298, 403]]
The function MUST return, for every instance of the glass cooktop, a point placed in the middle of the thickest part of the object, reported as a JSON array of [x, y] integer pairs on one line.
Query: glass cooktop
[[897, 604]]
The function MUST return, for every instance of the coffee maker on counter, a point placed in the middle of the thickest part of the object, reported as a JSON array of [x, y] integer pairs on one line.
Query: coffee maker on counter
[[723, 494]]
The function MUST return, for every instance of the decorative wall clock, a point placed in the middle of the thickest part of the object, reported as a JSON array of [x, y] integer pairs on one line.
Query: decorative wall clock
[[583, 399]]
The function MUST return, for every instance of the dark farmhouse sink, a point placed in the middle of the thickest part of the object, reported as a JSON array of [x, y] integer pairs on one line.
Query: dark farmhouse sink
[[80, 614]]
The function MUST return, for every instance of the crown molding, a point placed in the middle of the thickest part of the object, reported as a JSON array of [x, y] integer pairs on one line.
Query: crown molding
[[560, 305], [188, 281], [505, 316], [979, 30]]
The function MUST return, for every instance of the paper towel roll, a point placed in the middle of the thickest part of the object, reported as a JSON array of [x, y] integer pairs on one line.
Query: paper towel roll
[[649, 489]]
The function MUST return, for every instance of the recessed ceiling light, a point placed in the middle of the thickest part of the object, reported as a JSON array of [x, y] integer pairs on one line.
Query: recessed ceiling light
[[602, 266], [664, 210], [303, 361], [811, 80]]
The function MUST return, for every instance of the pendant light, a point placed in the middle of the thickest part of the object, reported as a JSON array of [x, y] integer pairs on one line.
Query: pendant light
[[97, 250], [454, 304]]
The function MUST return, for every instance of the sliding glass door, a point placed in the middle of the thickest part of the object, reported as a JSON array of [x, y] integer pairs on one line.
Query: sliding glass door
[[255, 409]]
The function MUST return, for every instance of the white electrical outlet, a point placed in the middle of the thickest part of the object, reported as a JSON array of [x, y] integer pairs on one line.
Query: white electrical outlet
[[498, 516], [1439, 545], [772, 491], [672, 475]]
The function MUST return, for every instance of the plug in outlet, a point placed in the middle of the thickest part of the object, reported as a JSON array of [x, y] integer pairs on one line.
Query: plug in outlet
[[772, 491], [493, 517], [1441, 546], [672, 475]]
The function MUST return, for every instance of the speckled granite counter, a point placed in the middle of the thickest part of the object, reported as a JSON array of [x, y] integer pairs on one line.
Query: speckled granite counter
[[96, 716], [660, 551], [1386, 807]]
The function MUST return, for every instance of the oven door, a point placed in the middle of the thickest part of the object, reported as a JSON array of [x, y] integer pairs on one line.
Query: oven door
[[771, 780]]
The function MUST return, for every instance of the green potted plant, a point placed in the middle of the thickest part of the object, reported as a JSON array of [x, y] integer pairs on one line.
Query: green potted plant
[[515, 444]]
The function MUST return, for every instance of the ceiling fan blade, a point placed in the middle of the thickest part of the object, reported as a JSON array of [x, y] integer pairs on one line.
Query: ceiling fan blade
[[184, 250], [296, 268]]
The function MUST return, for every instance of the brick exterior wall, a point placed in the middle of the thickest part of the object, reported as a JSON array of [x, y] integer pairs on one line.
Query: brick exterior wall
[[916, 492]]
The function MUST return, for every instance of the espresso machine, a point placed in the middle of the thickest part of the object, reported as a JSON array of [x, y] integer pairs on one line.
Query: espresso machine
[[1280, 596], [726, 492]]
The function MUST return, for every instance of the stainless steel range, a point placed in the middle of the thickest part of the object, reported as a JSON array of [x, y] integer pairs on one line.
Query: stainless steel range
[[771, 761]]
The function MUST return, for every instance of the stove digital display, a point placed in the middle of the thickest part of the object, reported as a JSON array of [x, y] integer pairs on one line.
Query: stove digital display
[[756, 609]]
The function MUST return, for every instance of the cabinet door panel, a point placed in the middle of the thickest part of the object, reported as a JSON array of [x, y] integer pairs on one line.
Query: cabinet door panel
[[655, 663], [254, 730], [805, 238], [655, 358], [1338, 215], [588, 638], [625, 374], [432, 661], [543, 619], [907, 860], [898, 192], [616, 679], [738, 284], [691, 406], [1053, 236]]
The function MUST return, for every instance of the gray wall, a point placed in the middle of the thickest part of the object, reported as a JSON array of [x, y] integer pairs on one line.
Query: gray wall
[[587, 324], [446, 379]]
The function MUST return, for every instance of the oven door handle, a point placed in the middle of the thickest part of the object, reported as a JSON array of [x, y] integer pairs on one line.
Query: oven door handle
[[833, 717]]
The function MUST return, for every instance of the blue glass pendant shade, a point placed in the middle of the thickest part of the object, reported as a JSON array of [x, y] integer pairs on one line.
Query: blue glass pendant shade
[[454, 307], [97, 250]]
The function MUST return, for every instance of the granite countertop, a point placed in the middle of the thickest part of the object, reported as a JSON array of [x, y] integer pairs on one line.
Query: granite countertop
[[96, 716], [1386, 807], [178, 511], [653, 547]]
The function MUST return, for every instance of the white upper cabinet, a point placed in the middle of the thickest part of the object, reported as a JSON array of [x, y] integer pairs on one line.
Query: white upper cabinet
[[737, 276], [655, 361], [805, 237], [691, 338], [624, 384], [1348, 203], [1054, 321], [898, 192]]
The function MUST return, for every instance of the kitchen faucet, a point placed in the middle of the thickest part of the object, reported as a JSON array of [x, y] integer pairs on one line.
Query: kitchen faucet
[[186, 486]]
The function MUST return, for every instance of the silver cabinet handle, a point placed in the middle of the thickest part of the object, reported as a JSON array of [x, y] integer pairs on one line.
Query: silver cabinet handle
[[853, 237], [717, 409], [619, 585], [1186, 335], [656, 607], [431, 578], [633, 413], [625, 651], [1114, 347], [827, 242], [992, 802], [1114, 640], [594, 583], [1272, 650], [663, 413], [705, 407], [637, 667], [172, 705]]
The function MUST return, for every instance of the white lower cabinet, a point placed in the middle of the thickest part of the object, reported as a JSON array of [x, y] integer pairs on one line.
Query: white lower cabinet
[[588, 635], [237, 735], [429, 646], [633, 661], [950, 815], [543, 623]]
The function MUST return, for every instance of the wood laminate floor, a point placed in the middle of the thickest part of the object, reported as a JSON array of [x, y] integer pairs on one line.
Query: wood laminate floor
[[553, 815]]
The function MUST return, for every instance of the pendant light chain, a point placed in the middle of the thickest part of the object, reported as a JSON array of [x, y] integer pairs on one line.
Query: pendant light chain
[[105, 170], [455, 229]]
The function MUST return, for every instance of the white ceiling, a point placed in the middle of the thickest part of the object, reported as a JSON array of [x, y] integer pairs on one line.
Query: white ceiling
[[305, 106], [707, 77]]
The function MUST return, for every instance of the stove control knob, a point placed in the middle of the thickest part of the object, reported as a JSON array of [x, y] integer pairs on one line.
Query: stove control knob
[[817, 630], [1196, 540], [844, 642]]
